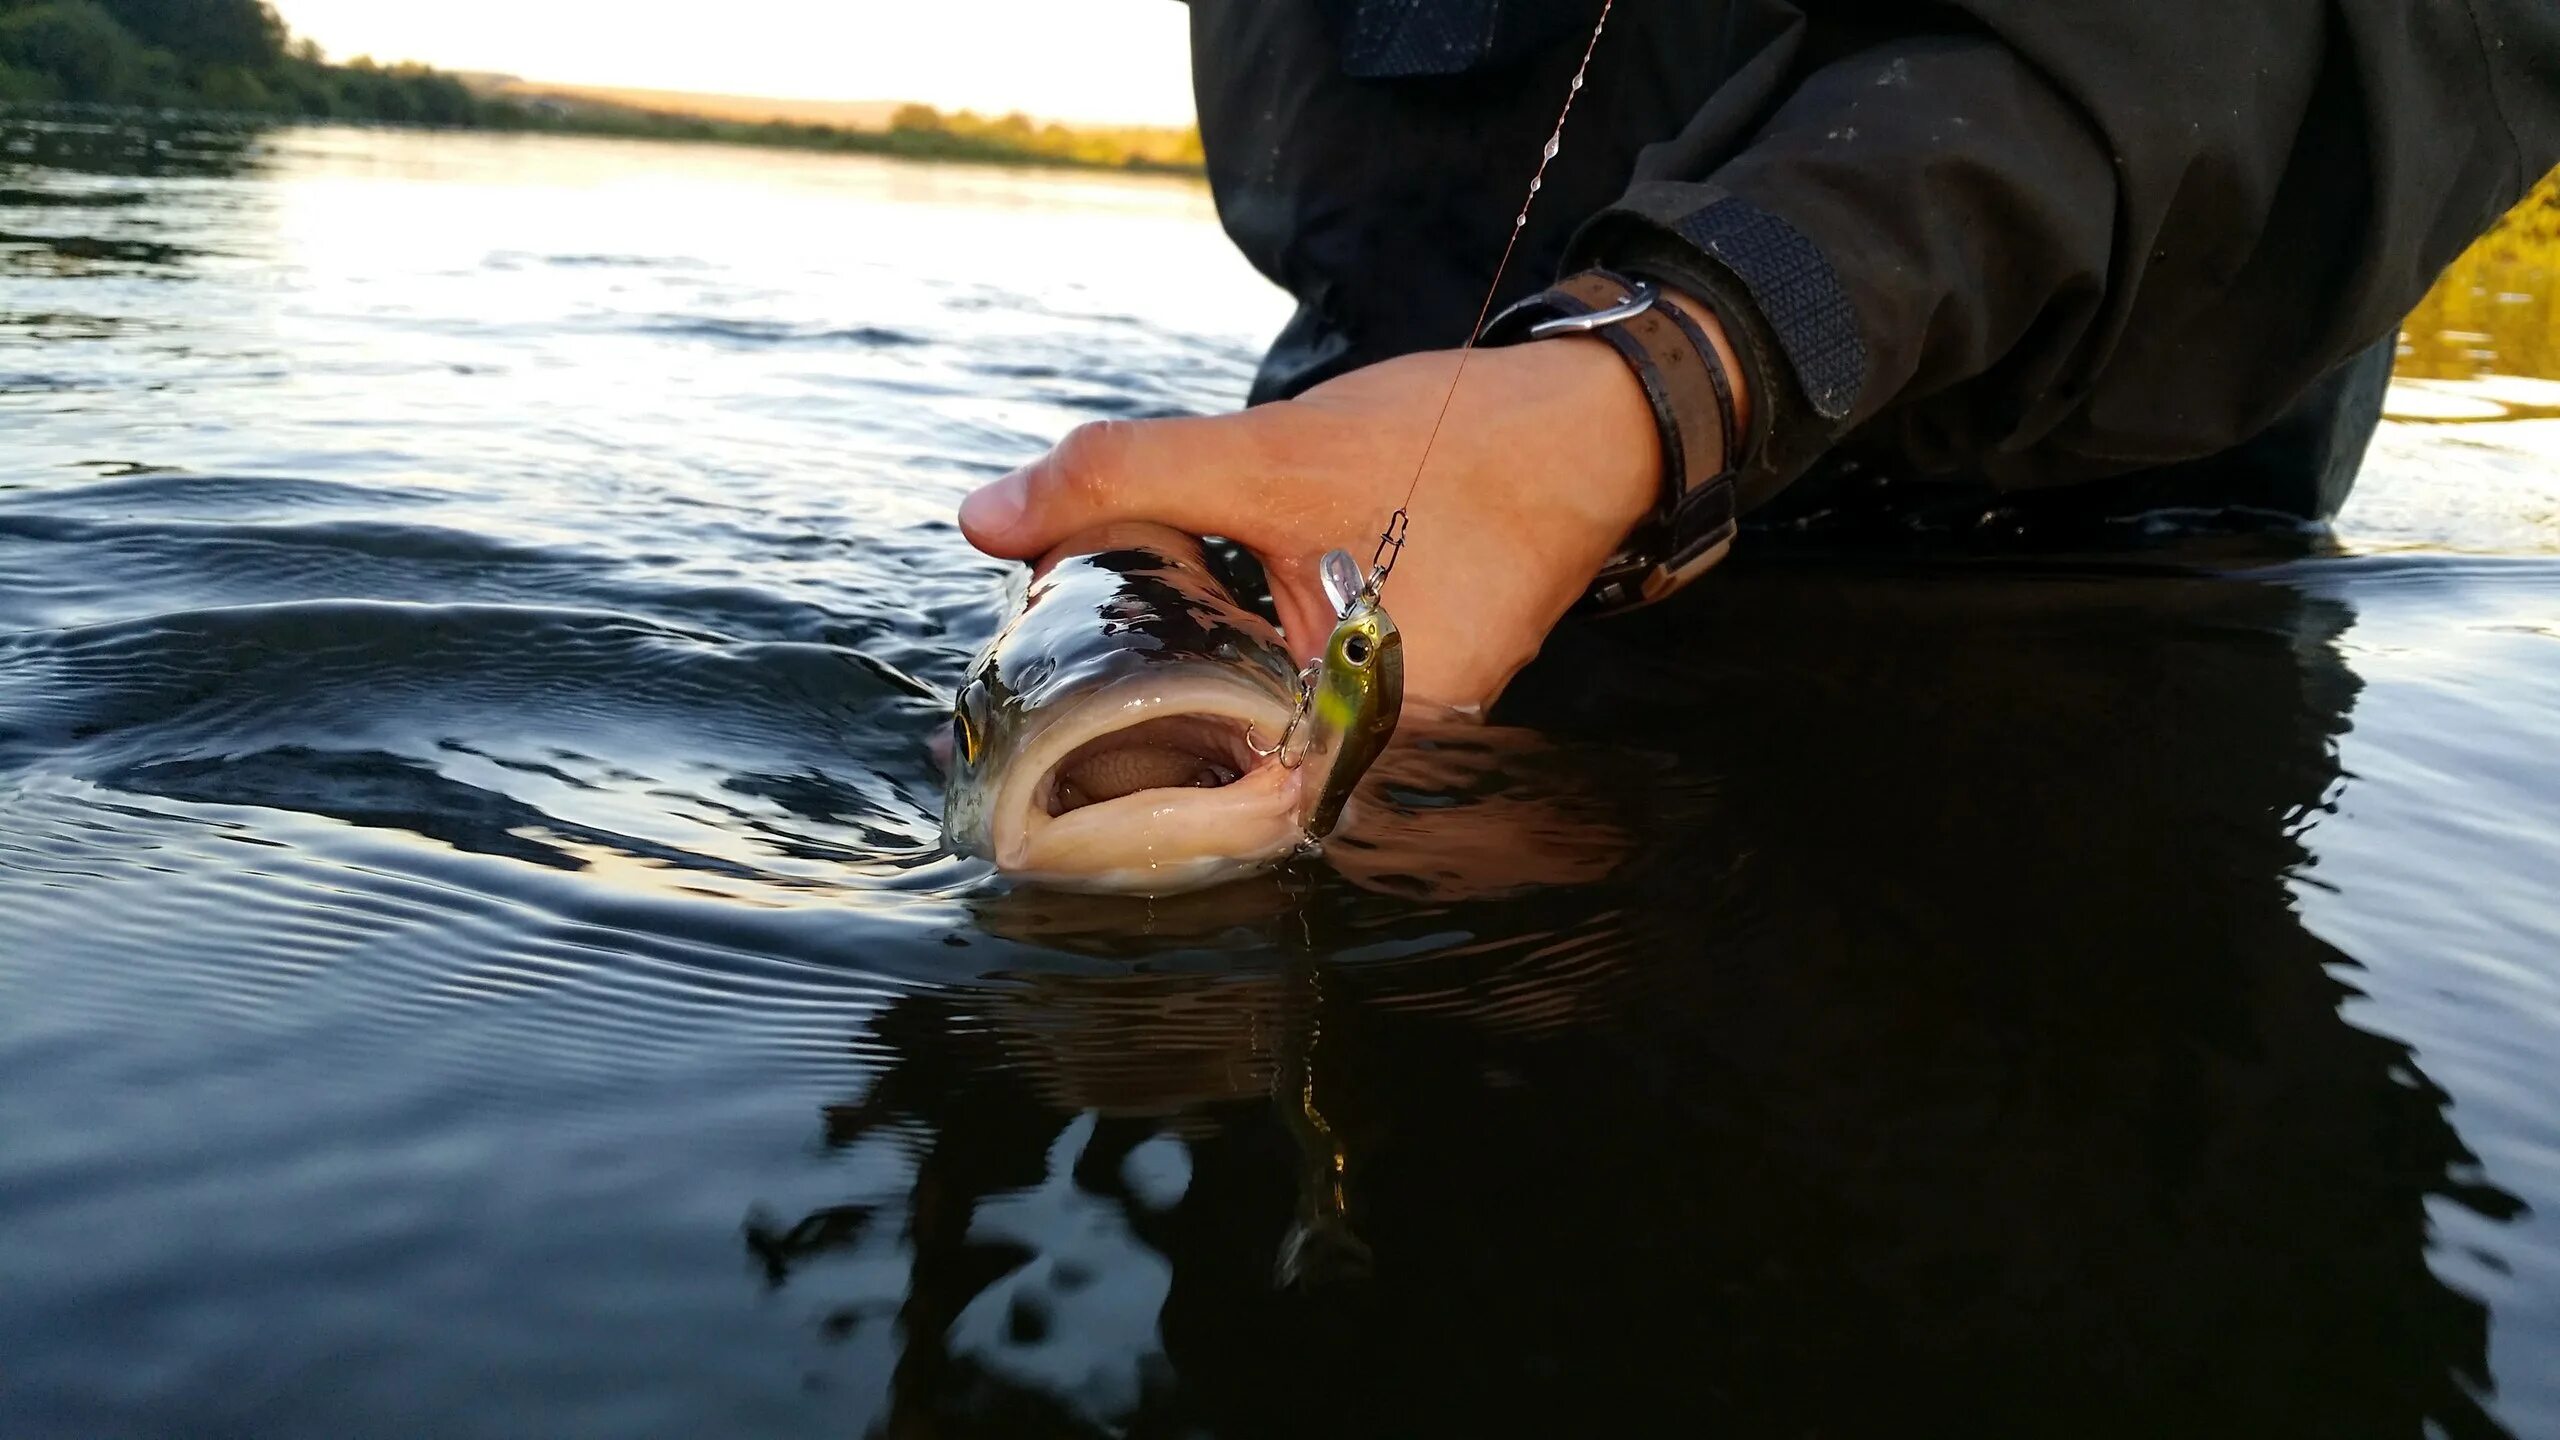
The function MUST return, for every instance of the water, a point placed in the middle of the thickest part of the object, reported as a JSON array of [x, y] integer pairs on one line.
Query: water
[[475, 957]]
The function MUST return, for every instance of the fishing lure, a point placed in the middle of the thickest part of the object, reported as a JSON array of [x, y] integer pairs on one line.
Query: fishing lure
[[1352, 696], [1350, 699]]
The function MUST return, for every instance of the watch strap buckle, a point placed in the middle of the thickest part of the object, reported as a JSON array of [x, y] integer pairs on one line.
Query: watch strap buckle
[[1634, 305]]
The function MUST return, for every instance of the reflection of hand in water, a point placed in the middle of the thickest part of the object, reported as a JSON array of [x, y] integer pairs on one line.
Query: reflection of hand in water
[[1461, 812]]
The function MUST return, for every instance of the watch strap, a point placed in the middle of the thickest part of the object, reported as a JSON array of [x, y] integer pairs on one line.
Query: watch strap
[[1691, 399]]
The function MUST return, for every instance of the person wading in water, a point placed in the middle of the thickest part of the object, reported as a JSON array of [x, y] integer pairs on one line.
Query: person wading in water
[[1996, 264]]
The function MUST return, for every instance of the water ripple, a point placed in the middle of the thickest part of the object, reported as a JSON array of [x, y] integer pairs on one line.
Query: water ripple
[[774, 332]]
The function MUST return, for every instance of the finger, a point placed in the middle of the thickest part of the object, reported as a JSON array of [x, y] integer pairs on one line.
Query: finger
[[1207, 476]]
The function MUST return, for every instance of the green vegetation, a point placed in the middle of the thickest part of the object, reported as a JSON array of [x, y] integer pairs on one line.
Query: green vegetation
[[203, 55], [2496, 310], [235, 55], [917, 132], [923, 130]]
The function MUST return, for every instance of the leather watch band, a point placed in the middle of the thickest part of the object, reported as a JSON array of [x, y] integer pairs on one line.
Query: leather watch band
[[1693, 411]]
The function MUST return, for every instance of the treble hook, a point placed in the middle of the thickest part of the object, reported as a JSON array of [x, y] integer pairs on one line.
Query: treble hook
[[1297, 717]]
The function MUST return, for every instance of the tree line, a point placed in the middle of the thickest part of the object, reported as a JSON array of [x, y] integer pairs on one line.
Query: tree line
[[204, 54], [237, 56]]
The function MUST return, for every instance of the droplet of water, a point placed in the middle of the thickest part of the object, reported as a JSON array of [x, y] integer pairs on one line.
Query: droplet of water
[[1520, 219], [1534, 184], [1577, 80], [1555, 143]]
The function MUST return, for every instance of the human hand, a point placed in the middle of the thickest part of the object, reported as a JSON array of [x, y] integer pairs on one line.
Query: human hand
[[1547, 459]]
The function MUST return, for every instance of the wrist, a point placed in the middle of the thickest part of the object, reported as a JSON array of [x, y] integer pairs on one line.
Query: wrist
[[1615, 477], [1685, 375]]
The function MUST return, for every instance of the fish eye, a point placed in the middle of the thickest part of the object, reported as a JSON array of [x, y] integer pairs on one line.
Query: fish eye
[[1355, 649], [968, 730]]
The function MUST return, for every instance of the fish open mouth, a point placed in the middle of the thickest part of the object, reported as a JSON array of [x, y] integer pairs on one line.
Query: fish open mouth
[[1158, 790], [1170, 752]]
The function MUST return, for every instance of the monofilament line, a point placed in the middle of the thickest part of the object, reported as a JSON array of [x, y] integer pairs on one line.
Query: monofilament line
[[1391, 539]]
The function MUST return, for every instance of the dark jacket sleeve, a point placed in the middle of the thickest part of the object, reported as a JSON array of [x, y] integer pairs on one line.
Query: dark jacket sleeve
[[2056, 242]]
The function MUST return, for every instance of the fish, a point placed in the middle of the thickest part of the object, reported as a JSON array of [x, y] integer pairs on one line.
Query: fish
[[1136, 728]]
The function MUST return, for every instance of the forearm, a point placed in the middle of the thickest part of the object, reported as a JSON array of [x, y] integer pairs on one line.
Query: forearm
[[1871, 244], [2072, 243]]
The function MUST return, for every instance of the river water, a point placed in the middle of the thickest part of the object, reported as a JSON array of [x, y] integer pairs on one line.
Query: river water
[[476, 957]]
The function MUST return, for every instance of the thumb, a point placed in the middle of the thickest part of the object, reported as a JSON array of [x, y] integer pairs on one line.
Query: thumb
[[1203, 476]]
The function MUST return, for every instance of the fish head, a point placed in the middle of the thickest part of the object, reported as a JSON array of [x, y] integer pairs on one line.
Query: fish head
[[1121, 732]]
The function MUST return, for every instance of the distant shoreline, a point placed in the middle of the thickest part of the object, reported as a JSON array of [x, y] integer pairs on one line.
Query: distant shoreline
[[894, 145], [919, 133], [903, 130]]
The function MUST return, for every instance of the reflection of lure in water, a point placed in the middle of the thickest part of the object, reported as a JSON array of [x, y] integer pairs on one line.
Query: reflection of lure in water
[[1320, 1248], [1111, 736]]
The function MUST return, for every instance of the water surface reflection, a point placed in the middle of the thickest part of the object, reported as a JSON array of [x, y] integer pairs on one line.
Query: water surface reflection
[[470, 609]]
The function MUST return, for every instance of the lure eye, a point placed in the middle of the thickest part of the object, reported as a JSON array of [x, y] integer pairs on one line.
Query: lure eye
[[1356, 649]]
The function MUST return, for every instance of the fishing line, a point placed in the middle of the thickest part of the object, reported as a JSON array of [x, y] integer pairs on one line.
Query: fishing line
[[1357, 602], [1391, 540]]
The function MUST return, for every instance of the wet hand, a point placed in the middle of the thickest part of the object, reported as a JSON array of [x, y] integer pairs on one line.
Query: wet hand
[[1546, 461]]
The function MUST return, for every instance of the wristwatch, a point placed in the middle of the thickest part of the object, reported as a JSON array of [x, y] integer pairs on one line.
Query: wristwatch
[[1692, 401]]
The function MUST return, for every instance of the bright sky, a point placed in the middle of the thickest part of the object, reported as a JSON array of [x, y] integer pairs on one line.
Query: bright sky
[[1100, 61]]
